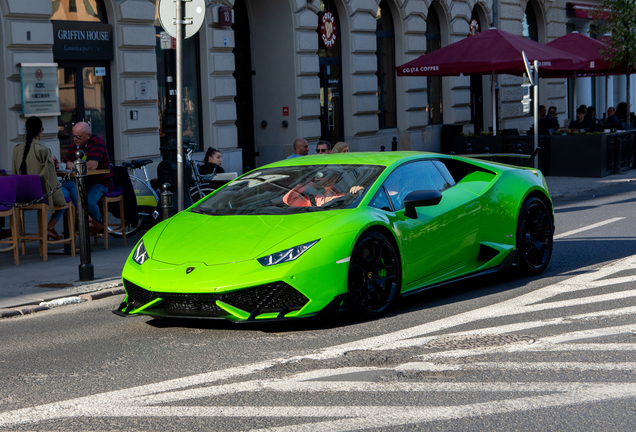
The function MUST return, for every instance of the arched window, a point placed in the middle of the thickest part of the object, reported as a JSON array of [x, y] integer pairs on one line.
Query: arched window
[[385, 54], [434, 42], [78, 10], [530, 29]]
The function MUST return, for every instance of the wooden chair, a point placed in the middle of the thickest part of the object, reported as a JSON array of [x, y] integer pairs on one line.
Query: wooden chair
[[114, 196], [29, 188], [7, 195]]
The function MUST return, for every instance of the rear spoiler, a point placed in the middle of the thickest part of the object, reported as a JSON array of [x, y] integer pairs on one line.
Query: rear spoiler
[[510, 155]]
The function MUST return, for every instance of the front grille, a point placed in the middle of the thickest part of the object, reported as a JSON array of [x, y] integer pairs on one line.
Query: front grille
[[137, 295], [272, 297]]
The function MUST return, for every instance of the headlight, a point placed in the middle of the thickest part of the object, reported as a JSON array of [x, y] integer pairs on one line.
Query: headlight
[[286, 255], [140, 255]]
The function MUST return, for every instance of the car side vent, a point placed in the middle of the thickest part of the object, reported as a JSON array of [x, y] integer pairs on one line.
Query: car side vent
[[486, 253]]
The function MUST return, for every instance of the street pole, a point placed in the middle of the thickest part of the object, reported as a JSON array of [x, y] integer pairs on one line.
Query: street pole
[[494, 104], [536, 110], [86, 272], [180, 189]]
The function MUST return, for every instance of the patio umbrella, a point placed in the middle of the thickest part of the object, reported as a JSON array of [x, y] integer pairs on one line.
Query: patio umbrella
[[491, 52], [590, 49]]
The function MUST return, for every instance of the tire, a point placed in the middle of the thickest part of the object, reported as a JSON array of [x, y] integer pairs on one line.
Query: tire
[[194, 193], [374, 278], [535, 232]]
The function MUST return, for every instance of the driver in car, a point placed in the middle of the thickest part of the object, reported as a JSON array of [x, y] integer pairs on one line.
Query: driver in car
[[317, 192]]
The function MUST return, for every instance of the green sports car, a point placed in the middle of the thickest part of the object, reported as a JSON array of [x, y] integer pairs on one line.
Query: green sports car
[[354, 230]]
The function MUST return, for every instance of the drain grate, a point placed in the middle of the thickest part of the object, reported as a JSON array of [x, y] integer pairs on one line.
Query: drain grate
[[471, 342], [55, 285]]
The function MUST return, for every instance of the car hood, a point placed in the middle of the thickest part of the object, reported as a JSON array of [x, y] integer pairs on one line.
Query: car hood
[[193, 237]]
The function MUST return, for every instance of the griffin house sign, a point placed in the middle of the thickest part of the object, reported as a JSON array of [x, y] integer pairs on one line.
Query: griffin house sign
[[82, 41]]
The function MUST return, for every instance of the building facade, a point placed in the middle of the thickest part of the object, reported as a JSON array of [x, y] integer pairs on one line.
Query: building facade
[[260, 74]]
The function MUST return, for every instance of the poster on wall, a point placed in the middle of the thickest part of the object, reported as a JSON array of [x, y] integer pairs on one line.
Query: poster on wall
[[40, 89]]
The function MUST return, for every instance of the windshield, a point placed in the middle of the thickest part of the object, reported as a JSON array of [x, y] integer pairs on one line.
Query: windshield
[[292, 189]]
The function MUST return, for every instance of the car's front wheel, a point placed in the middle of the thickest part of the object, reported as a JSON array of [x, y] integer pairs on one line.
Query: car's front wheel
[[535, 232], [374, 275]]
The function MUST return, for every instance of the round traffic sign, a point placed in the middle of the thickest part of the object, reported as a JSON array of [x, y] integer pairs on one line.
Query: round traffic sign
[[194, 9]]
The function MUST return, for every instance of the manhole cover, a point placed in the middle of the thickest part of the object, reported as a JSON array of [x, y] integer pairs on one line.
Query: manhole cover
[[471, 342], [55, 285]]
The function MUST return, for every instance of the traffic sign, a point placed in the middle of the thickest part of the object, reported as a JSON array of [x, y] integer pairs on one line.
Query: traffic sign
[[193, 16]]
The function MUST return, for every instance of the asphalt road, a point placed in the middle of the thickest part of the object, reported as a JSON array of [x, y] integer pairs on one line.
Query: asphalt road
[[500, 353]]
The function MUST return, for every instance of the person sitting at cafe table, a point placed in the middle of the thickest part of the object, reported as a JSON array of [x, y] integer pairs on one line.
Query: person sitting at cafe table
[[612, 118], [581, 122], [550, 121], [31, 157], [96, 156], [591, 115]]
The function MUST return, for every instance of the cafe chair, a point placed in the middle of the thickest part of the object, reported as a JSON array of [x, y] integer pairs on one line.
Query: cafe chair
[[29, 188], [114, 196], [7, 195]]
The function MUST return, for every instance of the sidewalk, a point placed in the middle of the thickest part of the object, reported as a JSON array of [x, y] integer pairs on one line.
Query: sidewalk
[[35, 281]]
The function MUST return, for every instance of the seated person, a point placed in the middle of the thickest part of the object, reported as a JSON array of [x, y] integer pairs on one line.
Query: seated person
[[34, 158], [550, 121], [591, 115], [612, 118], [581, 122], [97, 158], [212, 159], [317, 192]]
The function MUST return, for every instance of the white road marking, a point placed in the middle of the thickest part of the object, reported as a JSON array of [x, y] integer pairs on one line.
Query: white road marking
[[133, 401], [589, 227]]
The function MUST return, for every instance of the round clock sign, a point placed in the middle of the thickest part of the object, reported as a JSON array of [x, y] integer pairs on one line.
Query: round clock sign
[[328, 29]]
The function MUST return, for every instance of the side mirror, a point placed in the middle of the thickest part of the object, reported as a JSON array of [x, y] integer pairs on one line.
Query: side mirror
[[421, 198]]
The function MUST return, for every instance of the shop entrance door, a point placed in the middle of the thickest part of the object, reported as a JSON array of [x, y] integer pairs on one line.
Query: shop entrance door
[[85, 96]]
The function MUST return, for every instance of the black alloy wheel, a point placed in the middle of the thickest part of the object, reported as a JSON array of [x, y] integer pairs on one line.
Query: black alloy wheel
[[374, 275], [535, 232]]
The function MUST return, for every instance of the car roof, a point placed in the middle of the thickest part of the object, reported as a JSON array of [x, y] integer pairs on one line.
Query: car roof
[[365, 158]]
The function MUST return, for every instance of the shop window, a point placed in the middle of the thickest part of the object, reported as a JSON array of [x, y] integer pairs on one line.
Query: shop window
[[385, 54], [166, 67], [433, 43], [74, 10]]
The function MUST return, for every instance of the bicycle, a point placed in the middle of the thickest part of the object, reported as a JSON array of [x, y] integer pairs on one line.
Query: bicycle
[[146, 196], [201, 188]]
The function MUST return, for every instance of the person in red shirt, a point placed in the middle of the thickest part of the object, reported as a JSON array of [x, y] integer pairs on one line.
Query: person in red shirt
[[96, 156]]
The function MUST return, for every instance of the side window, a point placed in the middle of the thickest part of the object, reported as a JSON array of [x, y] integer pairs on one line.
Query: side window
[[414, 176], [381, 201], [446, 173]]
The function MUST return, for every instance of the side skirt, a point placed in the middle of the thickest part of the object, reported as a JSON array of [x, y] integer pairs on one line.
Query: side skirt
[[512, 260]]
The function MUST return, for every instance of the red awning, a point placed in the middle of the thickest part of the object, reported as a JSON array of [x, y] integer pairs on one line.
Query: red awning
[[491, 51], [584, 10]]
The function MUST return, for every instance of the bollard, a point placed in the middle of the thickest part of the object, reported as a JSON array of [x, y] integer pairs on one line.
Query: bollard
[[394, 144], [382, 148], [487, 150], [166, 202], [469, 147], [617, 154], [86, 272]]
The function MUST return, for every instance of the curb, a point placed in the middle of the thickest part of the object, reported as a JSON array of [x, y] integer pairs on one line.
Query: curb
[[30, 309]]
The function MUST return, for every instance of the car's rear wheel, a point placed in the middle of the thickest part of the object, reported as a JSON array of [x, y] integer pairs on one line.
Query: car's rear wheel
[[535, 232], [374, 275]]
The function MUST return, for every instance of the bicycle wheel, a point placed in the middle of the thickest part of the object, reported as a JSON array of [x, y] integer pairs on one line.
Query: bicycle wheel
[[147, 208], [196, 196]]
